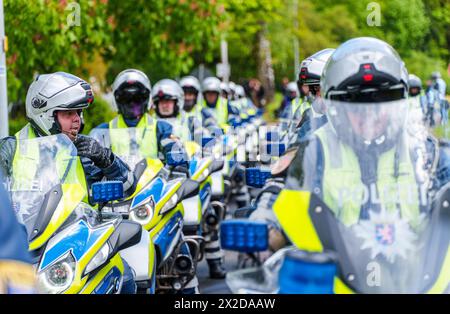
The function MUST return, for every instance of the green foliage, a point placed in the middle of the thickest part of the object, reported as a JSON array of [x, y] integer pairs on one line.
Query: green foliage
[[419, 30], [161, 37], [42, 41], [168, 38]]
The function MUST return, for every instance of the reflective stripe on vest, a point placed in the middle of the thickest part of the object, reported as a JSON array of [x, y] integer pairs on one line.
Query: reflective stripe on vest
[[344, 192], [180, 127], [26, 162], [297, 103], [220, 110], [145, 136], [196, 112]]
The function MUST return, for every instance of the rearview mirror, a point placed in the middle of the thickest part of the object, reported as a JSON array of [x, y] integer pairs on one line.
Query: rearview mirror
[[217, 165], [129, 234], [103, 192], [190, 188]]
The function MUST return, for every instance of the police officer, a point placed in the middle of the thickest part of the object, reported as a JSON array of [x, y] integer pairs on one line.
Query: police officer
[[309, 76], [364, 143], [16, 272], [222, 109], [168, 99], [198, 117], [54, 104], [132, 90]]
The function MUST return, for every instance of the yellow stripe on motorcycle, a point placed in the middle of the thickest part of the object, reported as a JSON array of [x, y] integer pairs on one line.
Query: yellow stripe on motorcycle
[[291, 208], [116, 261], [192, 148], [340, 287], [152, 257], [156, 216], [153, 167], [205, 164], [79, 281], [165, 219], [65, 207], [443, 281]]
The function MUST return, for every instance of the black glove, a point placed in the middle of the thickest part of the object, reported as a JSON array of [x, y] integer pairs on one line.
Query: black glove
[[90, 148]]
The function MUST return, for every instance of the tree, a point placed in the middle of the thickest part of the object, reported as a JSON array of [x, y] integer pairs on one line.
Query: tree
[[43, 38], [161, 37]]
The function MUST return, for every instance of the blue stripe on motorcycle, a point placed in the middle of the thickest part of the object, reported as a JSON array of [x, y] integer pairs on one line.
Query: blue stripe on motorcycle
[[107, 285], [192, 166], [79, 240], [154, 189], [163, 239], [205, 192]]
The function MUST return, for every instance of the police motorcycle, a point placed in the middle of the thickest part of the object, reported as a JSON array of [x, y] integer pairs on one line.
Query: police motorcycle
[[346, 236], [222, 147], [202, 212], [74, 247], [158, 205]]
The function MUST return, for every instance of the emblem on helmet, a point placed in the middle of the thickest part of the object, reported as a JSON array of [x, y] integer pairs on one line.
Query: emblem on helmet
[[38, 103]]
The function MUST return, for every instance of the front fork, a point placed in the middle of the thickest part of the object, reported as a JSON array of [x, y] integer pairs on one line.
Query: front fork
[[180, 268]]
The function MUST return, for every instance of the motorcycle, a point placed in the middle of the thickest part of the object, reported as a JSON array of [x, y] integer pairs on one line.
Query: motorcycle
[[75, 249], [349, 237], [157, 205]]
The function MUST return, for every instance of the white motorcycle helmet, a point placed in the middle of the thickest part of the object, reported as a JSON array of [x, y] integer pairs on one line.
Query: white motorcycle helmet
[[211, 84], [292, 90], [190, 84], [415, 85], [168, 89], [54, 92], [240, 92], [366, 81]]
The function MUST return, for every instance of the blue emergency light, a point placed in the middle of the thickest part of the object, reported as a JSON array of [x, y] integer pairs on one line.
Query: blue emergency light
[[244, 236], [106, 191], [256, 177], [307, 273]]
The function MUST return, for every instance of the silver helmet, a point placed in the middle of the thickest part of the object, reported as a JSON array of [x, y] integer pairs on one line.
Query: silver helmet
[[131, 90], [190, 82], [240, 91], [224, 88], [365, 86], [211, 84], [363, 63], [292, 87], [312, 67], [53, 92], [168, 89], [415, 85], [232, 87]]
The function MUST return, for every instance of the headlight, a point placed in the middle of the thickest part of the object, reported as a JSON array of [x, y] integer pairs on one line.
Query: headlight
[[58, 277], [142, 214], [171, 203], [99, 258]]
